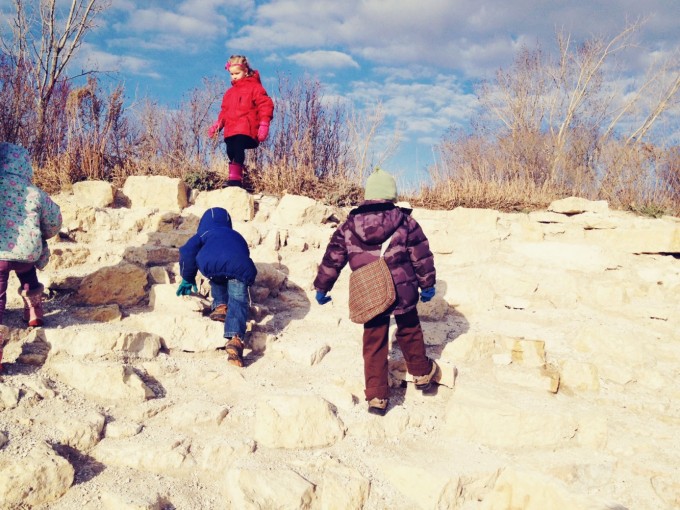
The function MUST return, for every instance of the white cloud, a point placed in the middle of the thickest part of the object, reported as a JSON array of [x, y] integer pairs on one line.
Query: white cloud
[[91, 58], [421, 108], [465, 36], [321, 59]]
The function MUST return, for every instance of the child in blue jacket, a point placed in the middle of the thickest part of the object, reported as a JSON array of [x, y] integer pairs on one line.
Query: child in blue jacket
[[222, 256]]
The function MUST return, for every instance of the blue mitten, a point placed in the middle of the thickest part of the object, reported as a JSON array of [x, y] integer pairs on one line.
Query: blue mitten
[[322, 298], [186, 288], [427, 294]]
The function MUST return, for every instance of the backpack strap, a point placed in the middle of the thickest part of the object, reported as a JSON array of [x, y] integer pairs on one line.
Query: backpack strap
[[386, 245]]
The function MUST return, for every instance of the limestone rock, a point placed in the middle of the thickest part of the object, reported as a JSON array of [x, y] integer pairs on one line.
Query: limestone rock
[[115, 501], [533, 491], [496, 421], [122, 428], [289, 421], [342, 487], [303, 350], [9, 396], [269, 277], [123, 284], [37, 479], [102, 313], [191, 334], [65, 256], [237, 201], [94, 341], [576, 205], [158, 191], [538, 378], [101, 381], [81, 434], [282, 489], [578, 376], [93, 193], [151, 454], [298, 210], [421, 487], [194, 415]]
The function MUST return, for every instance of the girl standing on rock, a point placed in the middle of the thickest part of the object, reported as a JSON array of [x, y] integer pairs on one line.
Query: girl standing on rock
[[245, 115], [411, 265], [29, 218]]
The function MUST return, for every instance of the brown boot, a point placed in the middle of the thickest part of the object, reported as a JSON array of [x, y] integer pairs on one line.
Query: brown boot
[[235, 351], [219, 313], [425, 382], [33, 306], [378, 406]]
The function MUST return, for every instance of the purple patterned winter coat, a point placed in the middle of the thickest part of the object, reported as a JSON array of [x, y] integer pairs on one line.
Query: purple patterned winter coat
[[358, 242]]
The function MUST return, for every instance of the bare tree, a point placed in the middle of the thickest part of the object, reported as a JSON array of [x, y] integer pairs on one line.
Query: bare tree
[[45, 41], [364, 130]]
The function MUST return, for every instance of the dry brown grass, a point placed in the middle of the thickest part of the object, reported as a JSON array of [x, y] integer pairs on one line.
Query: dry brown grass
[[529, 146]]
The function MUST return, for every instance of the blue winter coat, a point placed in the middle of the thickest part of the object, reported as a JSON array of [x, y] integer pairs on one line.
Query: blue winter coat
[[217, 250]]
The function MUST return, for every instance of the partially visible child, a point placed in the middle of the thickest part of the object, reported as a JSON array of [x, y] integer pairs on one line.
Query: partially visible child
[[357, 241], [222, 256], [245, 115], [29, 218]]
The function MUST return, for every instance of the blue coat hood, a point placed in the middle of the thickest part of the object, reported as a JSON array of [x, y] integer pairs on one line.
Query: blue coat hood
[[215, 217]]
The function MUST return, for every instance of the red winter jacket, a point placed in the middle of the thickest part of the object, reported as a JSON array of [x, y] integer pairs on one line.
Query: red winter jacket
[[244, 106]]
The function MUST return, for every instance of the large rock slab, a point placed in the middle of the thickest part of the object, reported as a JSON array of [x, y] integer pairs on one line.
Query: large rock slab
[[290, 421], [37, 479], [282, 489], [94, 193], [158, 191], [237, 201], [123, 284], [101, 381], [498, 422]]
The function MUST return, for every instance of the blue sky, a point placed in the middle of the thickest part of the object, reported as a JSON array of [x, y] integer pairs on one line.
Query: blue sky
[[418, 58]]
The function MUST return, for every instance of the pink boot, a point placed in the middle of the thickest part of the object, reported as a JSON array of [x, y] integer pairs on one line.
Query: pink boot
[[33, 305], [235, 174]]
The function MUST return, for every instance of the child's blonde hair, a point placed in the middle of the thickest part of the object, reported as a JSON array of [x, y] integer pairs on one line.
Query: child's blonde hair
[[239, 60]]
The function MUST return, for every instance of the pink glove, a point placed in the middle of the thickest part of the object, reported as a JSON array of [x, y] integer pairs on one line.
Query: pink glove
[[214, 129], [263, 131]]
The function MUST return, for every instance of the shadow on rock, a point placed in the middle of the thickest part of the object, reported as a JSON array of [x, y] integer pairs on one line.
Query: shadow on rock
[[86, 468]]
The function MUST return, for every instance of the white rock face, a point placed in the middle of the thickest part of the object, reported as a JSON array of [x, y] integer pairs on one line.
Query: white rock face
[[297, 422], [165, 193], [93, 193], [101, 381], [556, 332], [279, 488]]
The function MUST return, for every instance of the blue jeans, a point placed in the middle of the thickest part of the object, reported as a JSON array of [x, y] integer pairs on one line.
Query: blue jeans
[[234, 294]]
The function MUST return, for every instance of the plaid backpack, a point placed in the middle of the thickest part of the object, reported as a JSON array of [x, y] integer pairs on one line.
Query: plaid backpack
[[371, 289]]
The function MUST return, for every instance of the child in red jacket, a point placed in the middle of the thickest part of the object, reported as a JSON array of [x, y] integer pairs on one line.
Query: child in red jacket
[[245, 115]]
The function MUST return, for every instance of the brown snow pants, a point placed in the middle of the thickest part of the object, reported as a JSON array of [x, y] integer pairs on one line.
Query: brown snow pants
[[410, 339]]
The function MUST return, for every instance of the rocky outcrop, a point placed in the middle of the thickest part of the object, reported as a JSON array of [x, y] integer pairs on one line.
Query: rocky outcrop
[[557, 332]]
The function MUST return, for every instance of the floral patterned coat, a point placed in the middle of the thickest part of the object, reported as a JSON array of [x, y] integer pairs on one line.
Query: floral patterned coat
[[29, 216]]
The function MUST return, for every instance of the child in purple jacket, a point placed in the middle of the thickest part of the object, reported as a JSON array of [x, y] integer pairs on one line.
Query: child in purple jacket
[[357, 242]]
